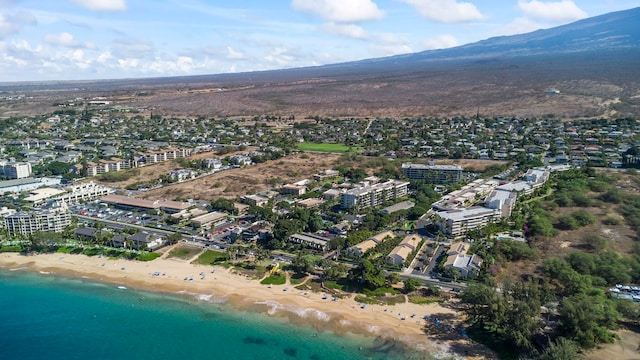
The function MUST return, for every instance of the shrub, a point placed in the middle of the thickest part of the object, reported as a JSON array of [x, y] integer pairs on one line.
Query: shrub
[[147, 256], [583, 218], [595, 241], [567, 222]]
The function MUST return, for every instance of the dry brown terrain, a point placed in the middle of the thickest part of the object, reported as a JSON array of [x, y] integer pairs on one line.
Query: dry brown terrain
[[599, 86], [247, 180], [620, 238]]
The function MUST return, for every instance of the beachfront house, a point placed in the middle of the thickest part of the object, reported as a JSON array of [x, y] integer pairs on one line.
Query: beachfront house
[[399, 255], [359, 249], [457, 258]]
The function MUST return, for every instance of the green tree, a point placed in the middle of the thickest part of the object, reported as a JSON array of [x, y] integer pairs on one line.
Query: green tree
[[222, 204], [368, 273], [587, 319], [560, 349], [412, 284], [174, 238]]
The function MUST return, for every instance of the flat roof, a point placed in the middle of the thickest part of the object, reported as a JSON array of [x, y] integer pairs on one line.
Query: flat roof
[[431, 167], [209, 217], [16, 182], [141, 203], [311, 238], [461, 214], [404, 205]]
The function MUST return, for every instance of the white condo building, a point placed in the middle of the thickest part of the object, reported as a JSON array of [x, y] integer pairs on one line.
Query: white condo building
[[30, 222], [373, 195], [455, 223], [15, 170], [433, 174]]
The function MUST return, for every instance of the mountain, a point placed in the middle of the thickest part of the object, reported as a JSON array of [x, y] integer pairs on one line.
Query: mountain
[[594, 63], [612, 32]]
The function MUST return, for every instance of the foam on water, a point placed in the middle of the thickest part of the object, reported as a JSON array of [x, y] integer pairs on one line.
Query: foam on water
[[274, 307]]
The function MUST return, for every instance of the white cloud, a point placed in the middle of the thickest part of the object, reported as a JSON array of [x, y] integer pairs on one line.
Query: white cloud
[[233, 54], [440, 42], [519, 25], [390, 44], [103, 5], [65, 39], [349, 30], [132, 49], [13, 23], [280, 56], [564, 10], [446, 11], [340, 10], [104, 57]]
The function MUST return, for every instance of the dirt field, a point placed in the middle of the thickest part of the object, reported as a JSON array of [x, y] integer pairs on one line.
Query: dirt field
[[478, 165], [151, 172], [625, 348], [251, 179]]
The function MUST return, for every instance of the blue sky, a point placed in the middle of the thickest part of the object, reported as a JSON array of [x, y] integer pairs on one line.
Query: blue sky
[[101, 39]]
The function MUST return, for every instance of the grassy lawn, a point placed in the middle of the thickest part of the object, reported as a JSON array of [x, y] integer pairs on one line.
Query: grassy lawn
[[325, 147], [380, 300], [276, 279], [184, 252], [211, 257], [424, 300]]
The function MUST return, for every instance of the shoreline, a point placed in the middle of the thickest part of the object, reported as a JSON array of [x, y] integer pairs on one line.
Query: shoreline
[[216, 285]]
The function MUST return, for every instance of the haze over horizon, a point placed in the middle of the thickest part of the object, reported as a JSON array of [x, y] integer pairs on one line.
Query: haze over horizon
[[107, 39]]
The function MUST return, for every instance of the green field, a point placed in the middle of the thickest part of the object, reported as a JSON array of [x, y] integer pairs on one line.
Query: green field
[[324, 147]]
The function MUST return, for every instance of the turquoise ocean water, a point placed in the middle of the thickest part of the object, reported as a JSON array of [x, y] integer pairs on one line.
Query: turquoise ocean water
[[47, 317]]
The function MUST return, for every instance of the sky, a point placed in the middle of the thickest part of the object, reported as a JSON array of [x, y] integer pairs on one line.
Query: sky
[[108, 39]]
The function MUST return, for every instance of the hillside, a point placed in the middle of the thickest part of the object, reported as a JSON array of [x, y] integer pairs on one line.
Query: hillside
[[593, 62]]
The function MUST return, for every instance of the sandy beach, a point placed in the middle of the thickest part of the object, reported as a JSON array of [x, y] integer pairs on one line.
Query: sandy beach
[[217, 284]]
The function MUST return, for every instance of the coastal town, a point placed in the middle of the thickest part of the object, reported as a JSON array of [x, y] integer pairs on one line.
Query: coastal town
[[425, 203]]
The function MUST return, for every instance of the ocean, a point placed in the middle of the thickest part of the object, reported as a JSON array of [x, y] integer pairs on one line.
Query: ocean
[[50, 317]]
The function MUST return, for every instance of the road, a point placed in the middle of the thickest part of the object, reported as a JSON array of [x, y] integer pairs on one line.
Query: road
[[431, 281]]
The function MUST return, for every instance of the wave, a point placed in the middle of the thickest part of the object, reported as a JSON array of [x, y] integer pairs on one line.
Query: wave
[[274, 307]]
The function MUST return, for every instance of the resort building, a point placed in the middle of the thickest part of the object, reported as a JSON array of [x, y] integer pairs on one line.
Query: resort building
[[30, 222], [83, 192], [359, 249], [466, 196], [456, 223], [310, 240], [105, 166], [433, 174], [373, 195], [153, 157], [39, 196], [501, 200], [400, 254]]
